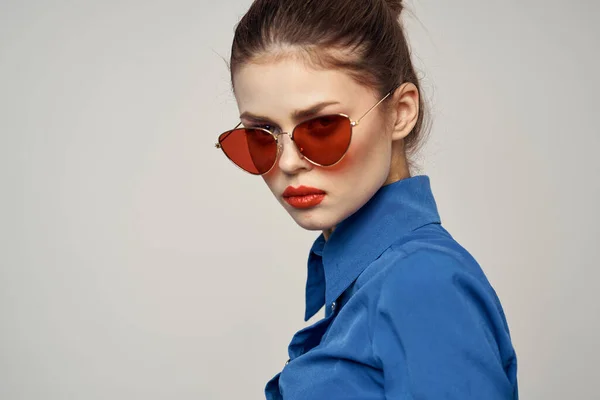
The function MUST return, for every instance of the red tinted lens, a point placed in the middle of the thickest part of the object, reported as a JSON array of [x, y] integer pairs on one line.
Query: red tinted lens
[[253, 150], [324, 140]]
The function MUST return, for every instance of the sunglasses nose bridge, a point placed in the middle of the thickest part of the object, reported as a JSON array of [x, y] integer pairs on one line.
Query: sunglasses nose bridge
[[280, 134], [279, 141], [292, 142]]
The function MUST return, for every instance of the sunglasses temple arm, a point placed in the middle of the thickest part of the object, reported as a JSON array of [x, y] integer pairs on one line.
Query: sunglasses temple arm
[[378, 103], [218, 145]]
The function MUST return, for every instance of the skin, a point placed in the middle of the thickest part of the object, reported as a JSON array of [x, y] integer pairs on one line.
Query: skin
[[274, 89]]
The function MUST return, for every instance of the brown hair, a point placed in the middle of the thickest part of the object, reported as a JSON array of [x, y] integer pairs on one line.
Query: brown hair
[[363, 37]]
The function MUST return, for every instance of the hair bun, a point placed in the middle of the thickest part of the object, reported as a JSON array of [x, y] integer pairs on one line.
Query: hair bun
[[395, 6]]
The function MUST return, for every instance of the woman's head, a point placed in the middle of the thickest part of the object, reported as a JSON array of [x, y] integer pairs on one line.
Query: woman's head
[[329, 57]]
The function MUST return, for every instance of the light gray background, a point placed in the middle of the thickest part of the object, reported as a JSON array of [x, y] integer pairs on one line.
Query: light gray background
[[136, 262]]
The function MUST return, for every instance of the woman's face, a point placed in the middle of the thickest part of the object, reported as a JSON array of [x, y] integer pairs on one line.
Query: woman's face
[[279, 89]]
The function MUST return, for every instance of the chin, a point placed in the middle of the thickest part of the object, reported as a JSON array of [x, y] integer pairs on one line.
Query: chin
[[312, 222]]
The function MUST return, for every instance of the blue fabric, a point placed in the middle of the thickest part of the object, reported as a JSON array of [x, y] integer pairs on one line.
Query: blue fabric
[[409, 314]]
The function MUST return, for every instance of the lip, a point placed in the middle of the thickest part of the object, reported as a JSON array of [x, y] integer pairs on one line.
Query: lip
[[303, 197], [301, 191]]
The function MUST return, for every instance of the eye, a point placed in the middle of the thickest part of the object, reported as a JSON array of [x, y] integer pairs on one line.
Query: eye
[[271, 128], [322, 126], [324, 122], [259, 138]]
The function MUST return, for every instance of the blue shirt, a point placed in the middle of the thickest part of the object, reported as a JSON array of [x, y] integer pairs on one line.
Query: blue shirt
[[409, 314]]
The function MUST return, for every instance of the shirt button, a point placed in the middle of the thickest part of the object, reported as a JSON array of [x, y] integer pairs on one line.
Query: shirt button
[[333, 306], [287, 362]]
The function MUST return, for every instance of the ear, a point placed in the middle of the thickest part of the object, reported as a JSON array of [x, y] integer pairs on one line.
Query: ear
[[405, 110]]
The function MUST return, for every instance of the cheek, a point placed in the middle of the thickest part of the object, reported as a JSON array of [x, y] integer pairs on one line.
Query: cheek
[[270, 179], [370, 149]]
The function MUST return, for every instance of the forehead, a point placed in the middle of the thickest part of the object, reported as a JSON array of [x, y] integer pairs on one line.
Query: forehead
[[275, 87]]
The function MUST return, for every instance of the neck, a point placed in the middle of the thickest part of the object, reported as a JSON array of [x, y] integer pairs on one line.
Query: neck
[[327, 233], [399, 170]]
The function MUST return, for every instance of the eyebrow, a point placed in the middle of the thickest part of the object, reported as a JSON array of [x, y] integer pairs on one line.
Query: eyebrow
[[297, 115]]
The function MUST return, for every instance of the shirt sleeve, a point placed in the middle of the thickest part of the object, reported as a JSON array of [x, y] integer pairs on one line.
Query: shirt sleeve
[[440, 332]]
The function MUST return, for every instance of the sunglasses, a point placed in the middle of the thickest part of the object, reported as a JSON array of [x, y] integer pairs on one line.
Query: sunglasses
[[323, 141]]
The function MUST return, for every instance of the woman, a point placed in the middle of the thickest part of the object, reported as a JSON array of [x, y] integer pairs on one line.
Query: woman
[[331, 114]]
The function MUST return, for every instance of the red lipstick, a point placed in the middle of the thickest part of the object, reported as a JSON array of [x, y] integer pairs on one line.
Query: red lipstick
[[303, 196]]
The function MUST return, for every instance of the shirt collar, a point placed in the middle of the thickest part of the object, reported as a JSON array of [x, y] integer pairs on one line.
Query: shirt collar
[[394, 211]]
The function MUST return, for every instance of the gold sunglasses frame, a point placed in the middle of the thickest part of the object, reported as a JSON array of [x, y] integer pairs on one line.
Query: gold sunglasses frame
[[291, 136]]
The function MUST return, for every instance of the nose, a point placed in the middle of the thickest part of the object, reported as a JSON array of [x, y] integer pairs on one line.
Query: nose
[[291, 160]]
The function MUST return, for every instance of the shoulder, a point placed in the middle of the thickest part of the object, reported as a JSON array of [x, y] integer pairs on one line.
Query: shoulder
[[430, 258], [430, 272], [436, 315]]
